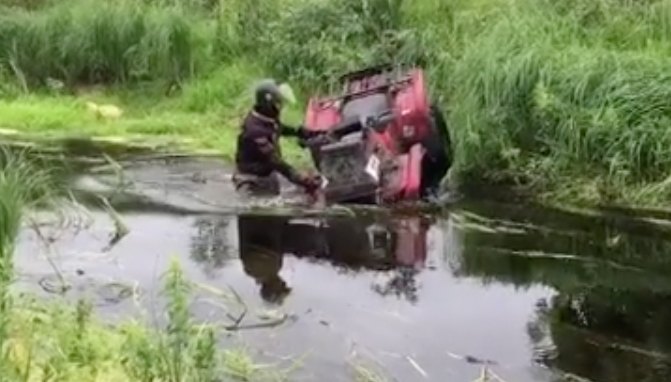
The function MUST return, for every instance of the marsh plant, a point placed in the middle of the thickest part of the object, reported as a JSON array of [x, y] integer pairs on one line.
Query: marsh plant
[[23, 184]]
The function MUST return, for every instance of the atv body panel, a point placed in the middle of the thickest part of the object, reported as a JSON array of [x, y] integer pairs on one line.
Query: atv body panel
[[380, 122]]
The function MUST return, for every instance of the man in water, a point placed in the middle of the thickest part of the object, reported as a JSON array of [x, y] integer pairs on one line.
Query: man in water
[[259, 158]]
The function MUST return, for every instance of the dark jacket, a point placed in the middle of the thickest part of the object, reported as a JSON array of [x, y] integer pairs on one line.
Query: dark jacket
[[258, 151]]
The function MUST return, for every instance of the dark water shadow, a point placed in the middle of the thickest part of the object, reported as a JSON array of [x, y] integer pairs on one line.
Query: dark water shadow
[[611, 317]]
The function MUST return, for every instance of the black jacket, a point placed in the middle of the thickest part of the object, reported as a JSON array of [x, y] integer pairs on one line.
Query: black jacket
[[258, 151]]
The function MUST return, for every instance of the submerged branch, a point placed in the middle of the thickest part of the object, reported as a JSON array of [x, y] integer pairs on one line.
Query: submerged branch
[[120, 228], [48, 249], [259, 325]]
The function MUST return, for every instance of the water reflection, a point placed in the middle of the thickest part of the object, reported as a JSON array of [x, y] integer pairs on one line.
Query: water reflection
[[261, 252], [611, 318], [612, 335], [396, 246], [211, 245]]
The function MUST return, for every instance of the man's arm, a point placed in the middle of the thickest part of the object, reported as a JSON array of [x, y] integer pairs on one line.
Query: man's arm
[[268, 149], [290, 131], [289, 172]]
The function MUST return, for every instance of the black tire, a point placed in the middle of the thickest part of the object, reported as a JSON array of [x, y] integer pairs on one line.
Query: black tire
[[438, 158], [440, 127]]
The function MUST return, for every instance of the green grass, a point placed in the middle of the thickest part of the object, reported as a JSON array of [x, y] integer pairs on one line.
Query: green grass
[[118, 42], [545, 98], [206, 114], [567, 99]]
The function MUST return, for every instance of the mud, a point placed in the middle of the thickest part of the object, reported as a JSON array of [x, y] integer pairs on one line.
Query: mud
[[534, 295]]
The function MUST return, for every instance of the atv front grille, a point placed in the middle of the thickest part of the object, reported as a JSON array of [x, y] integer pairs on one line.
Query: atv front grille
[[343, 164]]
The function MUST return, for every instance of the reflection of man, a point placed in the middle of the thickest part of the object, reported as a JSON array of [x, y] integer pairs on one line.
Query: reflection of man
[[265, 268], [261, 254]]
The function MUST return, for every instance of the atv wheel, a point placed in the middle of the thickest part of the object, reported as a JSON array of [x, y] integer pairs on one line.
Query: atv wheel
[[438, 157]]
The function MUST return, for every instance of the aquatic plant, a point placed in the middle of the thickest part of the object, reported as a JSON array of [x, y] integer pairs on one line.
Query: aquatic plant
[[22, 184]]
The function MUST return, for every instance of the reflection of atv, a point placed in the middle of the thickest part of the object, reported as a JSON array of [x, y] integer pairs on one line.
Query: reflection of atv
[[372, 245], [353, 243], [396, 247], [386, 142]]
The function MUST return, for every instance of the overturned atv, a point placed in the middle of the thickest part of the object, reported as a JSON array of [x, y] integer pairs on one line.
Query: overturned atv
[[380, 141]]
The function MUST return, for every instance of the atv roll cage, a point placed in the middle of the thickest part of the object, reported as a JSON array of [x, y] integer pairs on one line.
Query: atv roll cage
[[384, 78]]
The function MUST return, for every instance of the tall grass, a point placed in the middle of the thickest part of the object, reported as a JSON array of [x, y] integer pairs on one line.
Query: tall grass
[[23, 184], [551, 94], [88, 41], [540, 94], [319, 40], [545, 93]]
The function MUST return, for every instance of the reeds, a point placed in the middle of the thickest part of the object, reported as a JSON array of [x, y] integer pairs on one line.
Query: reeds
[[88, 41]]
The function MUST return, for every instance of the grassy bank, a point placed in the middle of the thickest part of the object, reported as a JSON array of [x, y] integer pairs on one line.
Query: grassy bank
[[204, 114], [567, 99]]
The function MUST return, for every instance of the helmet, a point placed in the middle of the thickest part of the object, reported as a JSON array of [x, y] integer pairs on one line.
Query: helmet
[[271, 96]]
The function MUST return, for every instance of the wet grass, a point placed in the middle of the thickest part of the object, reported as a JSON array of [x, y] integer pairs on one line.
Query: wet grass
[[363, 373]]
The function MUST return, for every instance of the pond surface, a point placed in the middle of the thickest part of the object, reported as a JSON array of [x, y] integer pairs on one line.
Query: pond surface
[[534, 295]]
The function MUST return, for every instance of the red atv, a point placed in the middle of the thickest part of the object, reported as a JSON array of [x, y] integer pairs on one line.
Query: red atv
[[381, 141]]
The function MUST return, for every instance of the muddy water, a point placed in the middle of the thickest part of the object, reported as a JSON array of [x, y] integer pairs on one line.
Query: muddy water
[[535, 295]]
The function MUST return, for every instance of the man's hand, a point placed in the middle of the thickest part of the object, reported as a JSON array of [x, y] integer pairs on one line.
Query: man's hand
[[303, 132], [310, 182]]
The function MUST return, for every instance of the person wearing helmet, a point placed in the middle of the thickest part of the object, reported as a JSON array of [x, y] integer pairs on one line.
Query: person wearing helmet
[[258, 157]]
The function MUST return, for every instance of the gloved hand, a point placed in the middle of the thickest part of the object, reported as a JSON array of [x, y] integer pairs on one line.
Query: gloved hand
[[316, 138], [310, 182], [304, 133], [303, 136]]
